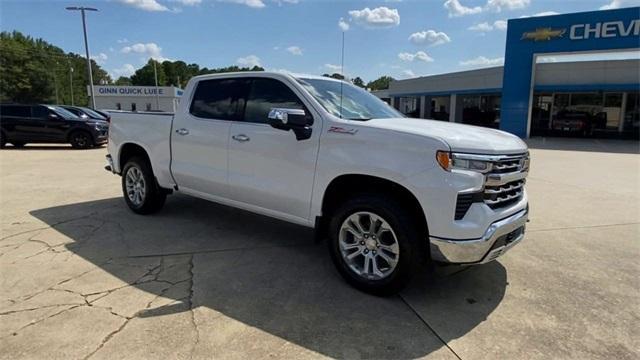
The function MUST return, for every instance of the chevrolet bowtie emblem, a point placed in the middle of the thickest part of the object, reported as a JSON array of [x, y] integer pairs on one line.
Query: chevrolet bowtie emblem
[[543, 34]]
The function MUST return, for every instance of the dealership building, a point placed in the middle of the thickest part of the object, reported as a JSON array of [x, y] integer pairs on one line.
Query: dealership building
[[137, 98], [534, 95]]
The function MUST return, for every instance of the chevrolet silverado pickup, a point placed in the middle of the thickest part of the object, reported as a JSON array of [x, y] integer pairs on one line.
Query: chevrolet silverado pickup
[[388, 192]]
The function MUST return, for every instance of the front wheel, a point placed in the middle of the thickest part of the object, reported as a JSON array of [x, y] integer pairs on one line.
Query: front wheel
[[81, 140], [374, 244], [141, 192]]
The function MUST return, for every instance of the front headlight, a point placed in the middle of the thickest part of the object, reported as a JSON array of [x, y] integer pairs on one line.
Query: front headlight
[[450, 161]]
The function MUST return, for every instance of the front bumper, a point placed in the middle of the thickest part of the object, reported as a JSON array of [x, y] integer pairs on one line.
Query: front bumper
[[499, 237], [109, 164]]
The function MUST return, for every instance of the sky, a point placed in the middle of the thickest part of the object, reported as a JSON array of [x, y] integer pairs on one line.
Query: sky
[[400, 38]]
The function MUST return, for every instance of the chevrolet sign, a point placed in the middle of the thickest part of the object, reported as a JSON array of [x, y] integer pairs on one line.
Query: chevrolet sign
[[608, 29]]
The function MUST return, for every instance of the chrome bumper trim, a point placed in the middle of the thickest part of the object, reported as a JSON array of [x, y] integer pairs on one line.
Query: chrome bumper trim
[[501, 179], [109, 165], [479, 251]]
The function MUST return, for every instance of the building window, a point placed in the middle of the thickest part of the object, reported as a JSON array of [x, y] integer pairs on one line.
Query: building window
[[409, 106], [148, 106], [631, 123], [440, 108], [133, 107], [481, 110]]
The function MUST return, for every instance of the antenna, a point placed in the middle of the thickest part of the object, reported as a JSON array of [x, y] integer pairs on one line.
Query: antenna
[[341, 73]]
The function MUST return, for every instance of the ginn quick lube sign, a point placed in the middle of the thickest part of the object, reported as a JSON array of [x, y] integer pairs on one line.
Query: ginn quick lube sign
[[608, 29]]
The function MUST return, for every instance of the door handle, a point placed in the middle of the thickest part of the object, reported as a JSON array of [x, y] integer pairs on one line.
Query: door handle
[[182, 131], [241, 137]]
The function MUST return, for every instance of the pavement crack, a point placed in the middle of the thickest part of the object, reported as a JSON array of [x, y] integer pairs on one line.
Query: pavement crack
[[429, 326], [190, 304]]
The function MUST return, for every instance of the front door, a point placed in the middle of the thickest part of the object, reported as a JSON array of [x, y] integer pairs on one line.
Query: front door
[[200, 136], [268, 167]]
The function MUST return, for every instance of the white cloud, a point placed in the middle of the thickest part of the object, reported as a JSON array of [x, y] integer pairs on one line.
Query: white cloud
[[408, 73], [125, 70], [486, 27], [420, 56], [334, 68], [122, 41], [430, 37], [151, 50], [378, 17], [498, 5], [294, 50], [456, 9], [249, 61], [482, 61], [500, 25], [544, 13], [188, 2], [100, 59], [146, 5], [615, 4], [256, 4], [343, 25]]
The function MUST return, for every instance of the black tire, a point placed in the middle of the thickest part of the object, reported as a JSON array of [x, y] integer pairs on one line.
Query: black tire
[[402, 223], [3, 140], [154, 196], [18, 145], [81, 140]]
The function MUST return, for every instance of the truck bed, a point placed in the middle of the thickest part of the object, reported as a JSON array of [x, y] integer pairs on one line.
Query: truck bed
[[151, 130]]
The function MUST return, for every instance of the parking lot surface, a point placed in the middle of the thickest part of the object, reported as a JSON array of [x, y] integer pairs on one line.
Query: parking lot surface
[[83, 277]]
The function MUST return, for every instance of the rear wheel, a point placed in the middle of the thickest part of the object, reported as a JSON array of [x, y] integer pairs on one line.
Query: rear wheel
[[141, 191], [374, 244], [81, 140]]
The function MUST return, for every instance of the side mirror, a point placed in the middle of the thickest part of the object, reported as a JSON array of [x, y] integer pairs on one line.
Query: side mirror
[[53, 116], [291, 119]]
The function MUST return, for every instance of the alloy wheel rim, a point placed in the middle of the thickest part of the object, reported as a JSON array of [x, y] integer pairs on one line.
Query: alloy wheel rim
[[81, 140], [368, 245], [135, 185]]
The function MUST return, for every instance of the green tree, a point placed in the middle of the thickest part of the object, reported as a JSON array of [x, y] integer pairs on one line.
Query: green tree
[[123, 81], [33, 70], [334, 76], [380, 83], [145, 76], [357, 81]]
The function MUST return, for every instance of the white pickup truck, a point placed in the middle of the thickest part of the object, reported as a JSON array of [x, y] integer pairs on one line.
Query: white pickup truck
[[388, 192]]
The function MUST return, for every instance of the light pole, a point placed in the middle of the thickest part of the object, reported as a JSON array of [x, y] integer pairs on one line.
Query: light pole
[[71, 83], [155, 75], [82, 9]]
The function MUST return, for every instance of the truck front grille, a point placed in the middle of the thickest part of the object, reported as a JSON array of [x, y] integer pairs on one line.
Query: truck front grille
[[503, 195]]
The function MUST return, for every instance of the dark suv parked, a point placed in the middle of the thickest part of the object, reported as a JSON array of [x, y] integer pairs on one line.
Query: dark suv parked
[[21, 124]]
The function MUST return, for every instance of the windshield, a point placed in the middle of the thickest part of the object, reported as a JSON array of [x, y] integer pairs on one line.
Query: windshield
[[93, 114], [63, 112], [357, 104]]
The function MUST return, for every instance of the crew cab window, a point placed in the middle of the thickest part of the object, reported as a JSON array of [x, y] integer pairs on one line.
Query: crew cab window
[[266, 94], [17, 111], [221, 99]]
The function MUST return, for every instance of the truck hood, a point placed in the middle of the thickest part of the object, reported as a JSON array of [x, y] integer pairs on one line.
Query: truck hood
[[461, 138]]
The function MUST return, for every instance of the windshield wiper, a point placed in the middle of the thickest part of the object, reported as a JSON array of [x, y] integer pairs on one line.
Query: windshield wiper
[[360, 119]]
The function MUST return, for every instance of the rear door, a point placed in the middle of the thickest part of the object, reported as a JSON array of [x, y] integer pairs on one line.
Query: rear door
[[200, 136], [14, 121], [269, 168]]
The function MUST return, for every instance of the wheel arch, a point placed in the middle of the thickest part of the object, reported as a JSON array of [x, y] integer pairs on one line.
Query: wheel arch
[[347, 185], [129, 150]]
